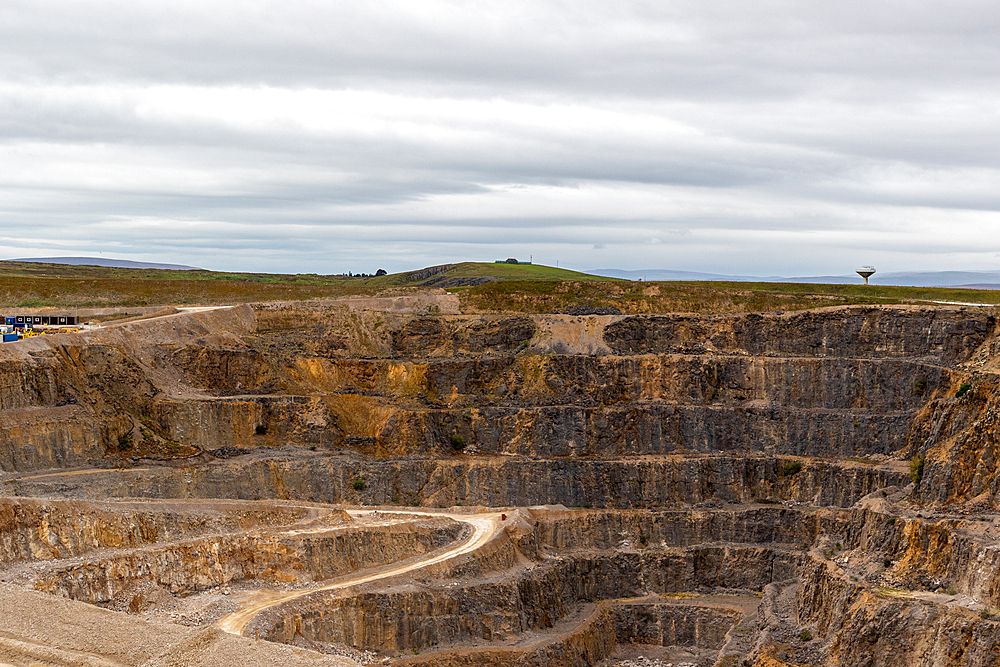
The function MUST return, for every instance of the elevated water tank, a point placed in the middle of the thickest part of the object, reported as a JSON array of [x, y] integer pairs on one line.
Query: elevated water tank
[[866, 272]]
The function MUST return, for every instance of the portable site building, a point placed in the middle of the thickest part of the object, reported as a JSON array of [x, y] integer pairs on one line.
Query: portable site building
[[51, 320]]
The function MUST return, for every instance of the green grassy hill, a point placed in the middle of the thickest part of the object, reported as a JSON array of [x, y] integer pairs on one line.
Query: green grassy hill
[[472, 273], [461, 270], [521, 272], [31, 284], [701, 297], [482, 285]]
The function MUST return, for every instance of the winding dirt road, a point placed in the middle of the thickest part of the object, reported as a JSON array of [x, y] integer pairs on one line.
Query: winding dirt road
[[484, 527]]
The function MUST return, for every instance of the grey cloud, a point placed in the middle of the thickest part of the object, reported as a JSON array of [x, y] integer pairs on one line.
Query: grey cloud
[[634, 47], [804, 132]]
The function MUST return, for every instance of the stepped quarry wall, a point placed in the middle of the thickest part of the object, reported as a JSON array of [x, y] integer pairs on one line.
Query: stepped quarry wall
[[183, 383], [609, 626], [32, 529], [887, 630], [702, 454], [599, 529], [947, 335], [491, 482], [191, 565], [883, 385], [526, 600], [67, 399]]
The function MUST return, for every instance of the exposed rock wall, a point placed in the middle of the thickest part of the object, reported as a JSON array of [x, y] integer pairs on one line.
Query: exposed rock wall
[[652, 428], [68, 399], [493, 482], [947, 335], [586, 529], [535, 599], [55, 437], [609, 626], [202, 563], [380, 428], [960, 438], [206, 380], [872, 630], [33, 529], [710, 567], [210, 423], [834, 383], [594, 640], [59, 403], [953, 552], [662, 624], [432, 335]]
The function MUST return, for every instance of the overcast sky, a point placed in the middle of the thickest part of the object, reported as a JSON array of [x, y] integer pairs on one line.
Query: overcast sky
[[747, 137]]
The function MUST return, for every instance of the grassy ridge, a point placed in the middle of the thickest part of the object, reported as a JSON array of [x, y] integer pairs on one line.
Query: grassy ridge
[[700, 297], [869, 292], [520, 272], [461, 270], [23, 292], [526, 288], [41, 270], [31, 284]]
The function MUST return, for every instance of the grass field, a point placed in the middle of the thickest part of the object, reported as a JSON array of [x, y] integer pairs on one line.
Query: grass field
[[29, 284], [526, 288], [39, 270], [519, 272], [460, 270], [701, 297]]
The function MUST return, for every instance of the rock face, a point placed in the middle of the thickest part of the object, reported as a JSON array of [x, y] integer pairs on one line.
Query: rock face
[[848, 383], [496, 482], [206, 562], [835, 472], [402, 620], [947, 336], [872, 629], [72, 398], [33, 529], [608, 627]]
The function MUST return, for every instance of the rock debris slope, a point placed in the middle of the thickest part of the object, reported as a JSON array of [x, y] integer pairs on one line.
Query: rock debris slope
[[814, 488]]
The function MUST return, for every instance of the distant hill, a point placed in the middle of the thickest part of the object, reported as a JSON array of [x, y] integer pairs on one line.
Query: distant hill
[[103, 261], [967, 279], [940, 278], [467, 274], [669, 274]]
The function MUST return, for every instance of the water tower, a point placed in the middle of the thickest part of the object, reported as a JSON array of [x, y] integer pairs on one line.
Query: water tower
[[866, 272]]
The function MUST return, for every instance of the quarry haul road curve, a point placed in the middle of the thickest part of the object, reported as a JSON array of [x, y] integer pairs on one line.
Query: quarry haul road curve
[[484, 527]]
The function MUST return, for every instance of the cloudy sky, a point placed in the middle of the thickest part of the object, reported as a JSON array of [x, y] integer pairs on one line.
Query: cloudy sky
[[753, 137]]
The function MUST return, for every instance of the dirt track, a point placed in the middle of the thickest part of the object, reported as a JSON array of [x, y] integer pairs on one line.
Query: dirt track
[[484, 526]]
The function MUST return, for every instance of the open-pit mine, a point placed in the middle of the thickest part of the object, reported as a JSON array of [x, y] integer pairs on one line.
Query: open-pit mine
[[400, 481]]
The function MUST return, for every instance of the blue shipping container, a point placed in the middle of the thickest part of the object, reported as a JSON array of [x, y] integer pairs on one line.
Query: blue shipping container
[[10, 338]]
